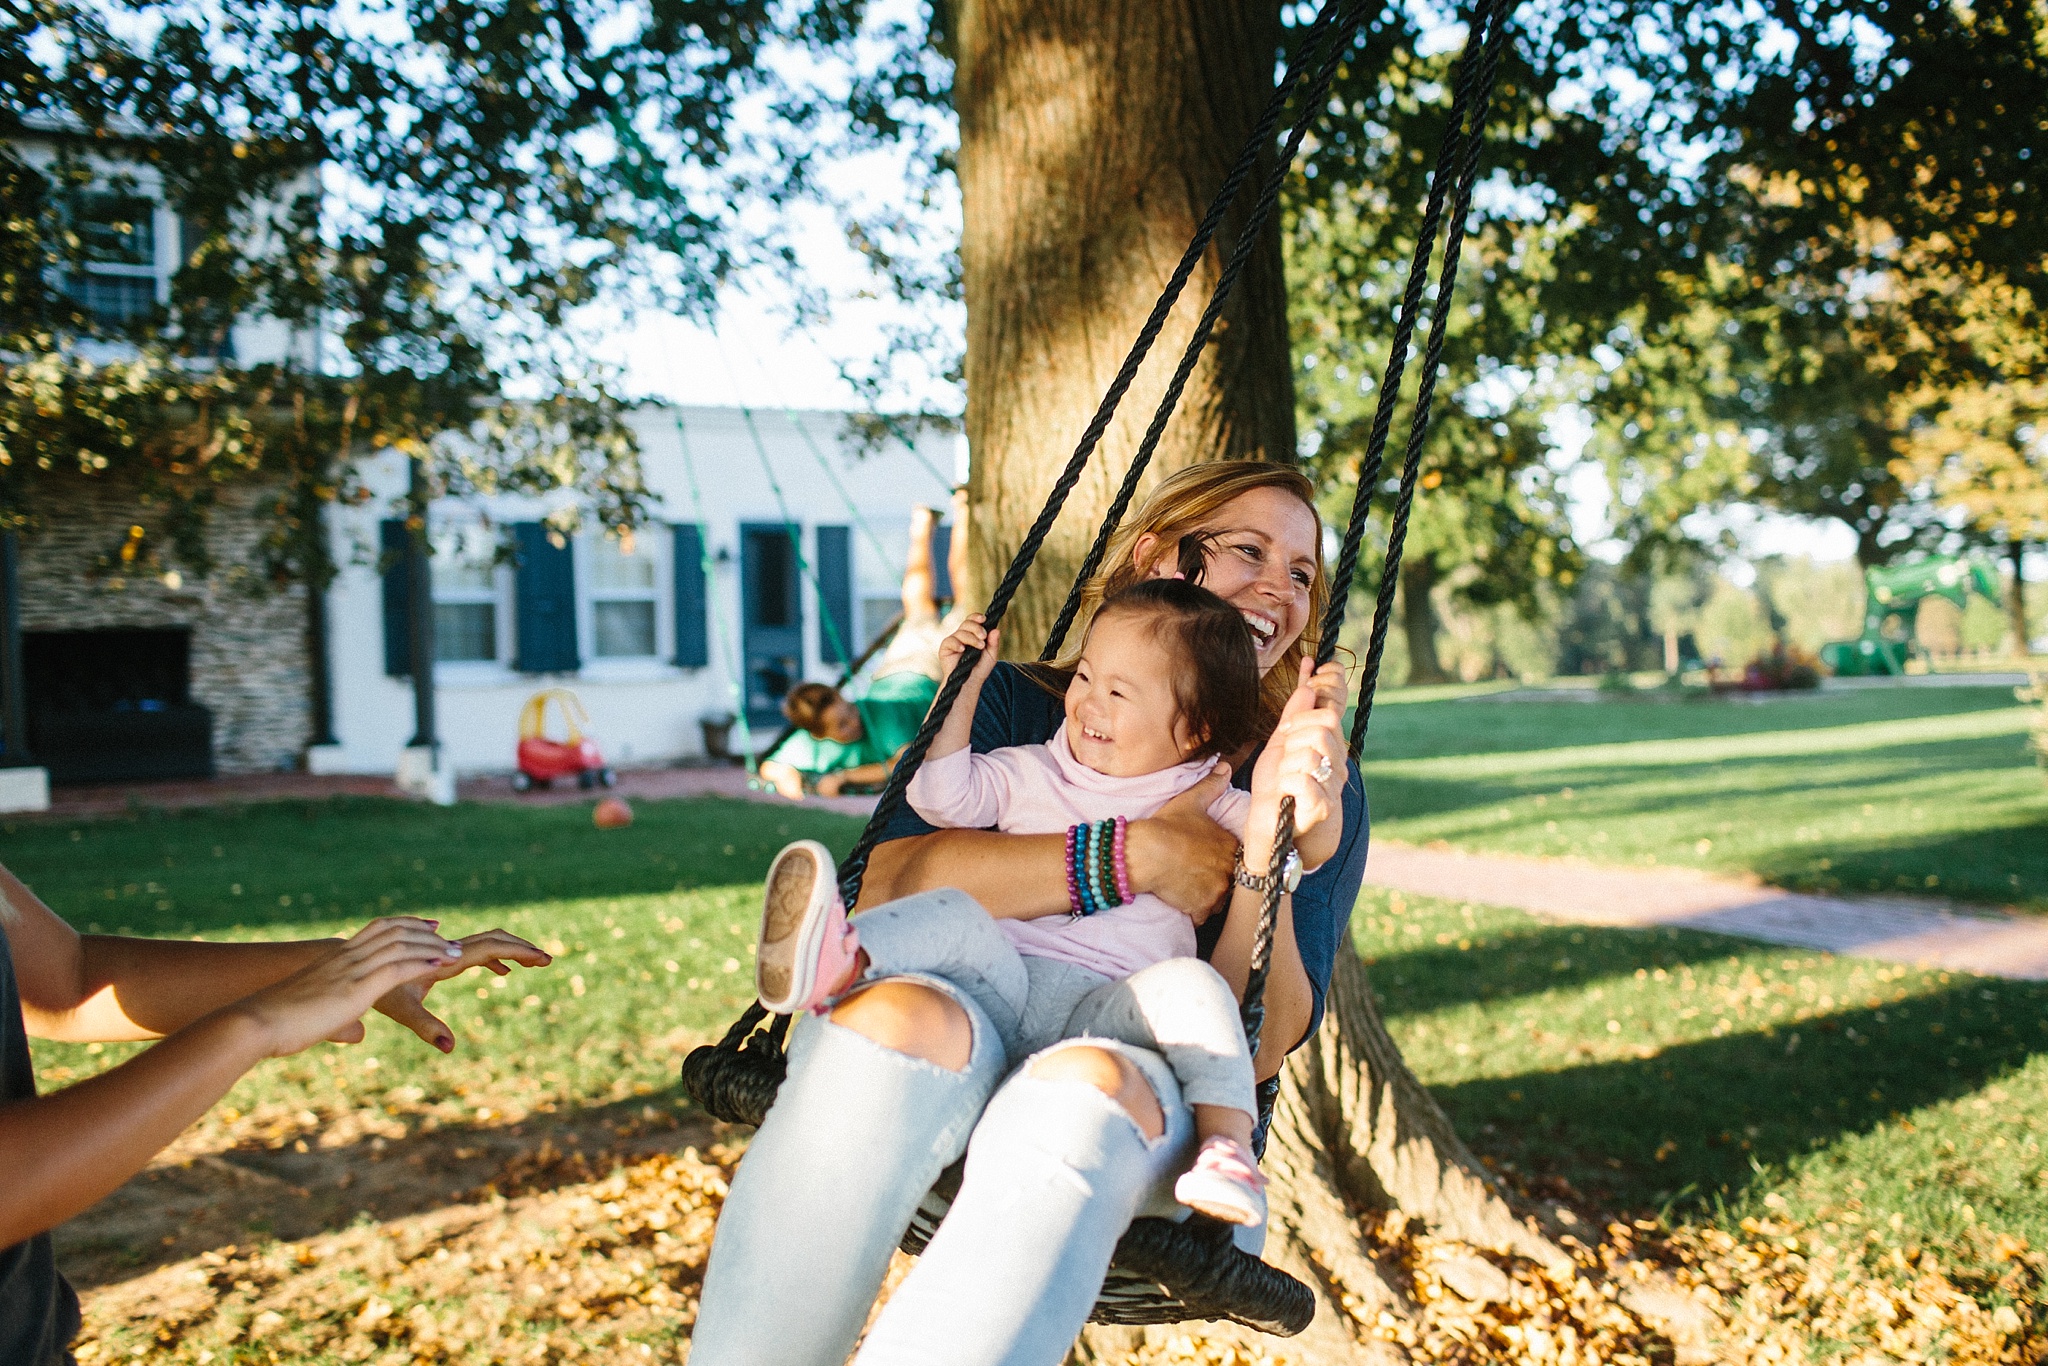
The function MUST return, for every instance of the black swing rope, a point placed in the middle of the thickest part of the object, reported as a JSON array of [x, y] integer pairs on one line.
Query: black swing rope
[[1190, 1270]]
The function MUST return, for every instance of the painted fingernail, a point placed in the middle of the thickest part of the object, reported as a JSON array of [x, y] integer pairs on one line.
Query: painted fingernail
[[445, 1044]]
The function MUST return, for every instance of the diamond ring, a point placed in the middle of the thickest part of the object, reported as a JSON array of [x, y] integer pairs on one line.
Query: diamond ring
[[1321, 772]]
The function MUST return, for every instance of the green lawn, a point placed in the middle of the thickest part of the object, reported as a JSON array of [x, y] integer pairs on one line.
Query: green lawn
[[1892, 1115], [1929, 790], [652, 926], [1712, 1079]]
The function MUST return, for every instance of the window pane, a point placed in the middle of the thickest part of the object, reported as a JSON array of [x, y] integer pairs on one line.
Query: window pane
[[613, 568], [117, 229], [464, 560], [774, 571], [625, 628], [115, 300], [465, 630]]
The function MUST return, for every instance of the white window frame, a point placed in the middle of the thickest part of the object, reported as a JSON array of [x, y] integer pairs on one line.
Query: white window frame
[[164, 232], [659, 549], [498, 595]]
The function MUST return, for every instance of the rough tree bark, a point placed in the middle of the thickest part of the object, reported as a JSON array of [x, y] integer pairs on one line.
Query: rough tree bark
[[1093, 133]]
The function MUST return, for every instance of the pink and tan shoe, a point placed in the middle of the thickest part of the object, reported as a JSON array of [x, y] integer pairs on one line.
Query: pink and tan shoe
[[807, 950], [1224, 1183]]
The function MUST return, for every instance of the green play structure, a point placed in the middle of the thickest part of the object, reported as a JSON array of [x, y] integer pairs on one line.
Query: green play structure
[[1893, 594]]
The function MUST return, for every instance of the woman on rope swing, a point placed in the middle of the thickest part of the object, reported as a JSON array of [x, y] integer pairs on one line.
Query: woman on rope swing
[[1066, 1147]]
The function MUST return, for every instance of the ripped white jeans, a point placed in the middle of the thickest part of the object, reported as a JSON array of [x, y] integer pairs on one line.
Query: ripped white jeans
[[1055, 1172]]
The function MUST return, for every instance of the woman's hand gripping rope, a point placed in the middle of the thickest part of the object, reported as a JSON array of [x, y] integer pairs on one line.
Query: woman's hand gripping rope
[[1305, 760]]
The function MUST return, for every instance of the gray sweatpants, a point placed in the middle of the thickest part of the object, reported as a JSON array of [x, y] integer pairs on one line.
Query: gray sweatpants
[[1181, 1007]]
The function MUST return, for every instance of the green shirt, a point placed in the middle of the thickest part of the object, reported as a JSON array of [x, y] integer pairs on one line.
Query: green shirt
[[890, 714]]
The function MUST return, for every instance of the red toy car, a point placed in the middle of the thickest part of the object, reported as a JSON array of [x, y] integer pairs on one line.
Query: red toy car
[[542, 760]]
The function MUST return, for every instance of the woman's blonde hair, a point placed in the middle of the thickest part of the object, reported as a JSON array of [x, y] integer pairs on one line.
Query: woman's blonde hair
[[1185, 502]]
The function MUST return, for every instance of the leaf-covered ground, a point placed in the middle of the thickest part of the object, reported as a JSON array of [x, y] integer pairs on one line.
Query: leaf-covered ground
[[1840, 1159]]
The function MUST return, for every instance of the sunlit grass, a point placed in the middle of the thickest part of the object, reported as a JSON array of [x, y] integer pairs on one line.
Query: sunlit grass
[[1928, 791], [652, 927]]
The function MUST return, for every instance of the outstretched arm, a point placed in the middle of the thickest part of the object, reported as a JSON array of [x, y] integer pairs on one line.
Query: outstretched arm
[[957, 730], [106, 989], [66, 1151]]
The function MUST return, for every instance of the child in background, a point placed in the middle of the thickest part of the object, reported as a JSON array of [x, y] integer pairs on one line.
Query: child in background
[[1167, 683]]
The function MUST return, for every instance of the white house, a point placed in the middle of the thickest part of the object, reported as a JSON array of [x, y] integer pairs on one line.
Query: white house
[[775, 555]]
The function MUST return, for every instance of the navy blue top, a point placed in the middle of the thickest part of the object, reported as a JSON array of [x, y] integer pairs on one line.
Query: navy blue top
[[1016, 711]]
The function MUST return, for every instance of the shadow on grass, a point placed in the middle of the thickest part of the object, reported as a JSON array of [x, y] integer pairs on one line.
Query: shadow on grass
[[1700, 1120], [1526, 962], [172, 1212], [278, 865], [2007, 863]]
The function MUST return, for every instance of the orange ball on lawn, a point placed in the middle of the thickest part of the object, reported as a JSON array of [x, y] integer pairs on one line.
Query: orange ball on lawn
[[612, 814]]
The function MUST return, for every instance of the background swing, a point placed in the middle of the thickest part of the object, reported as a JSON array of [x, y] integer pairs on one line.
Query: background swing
[[1165, 1271]]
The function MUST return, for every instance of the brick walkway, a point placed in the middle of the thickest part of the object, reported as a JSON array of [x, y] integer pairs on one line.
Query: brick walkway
[[1922, 933]]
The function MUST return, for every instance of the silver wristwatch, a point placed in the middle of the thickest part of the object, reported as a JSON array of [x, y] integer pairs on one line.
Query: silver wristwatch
[[1290, 874]]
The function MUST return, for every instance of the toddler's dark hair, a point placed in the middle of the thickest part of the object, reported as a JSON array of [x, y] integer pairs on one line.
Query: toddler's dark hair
[[1216, 678]]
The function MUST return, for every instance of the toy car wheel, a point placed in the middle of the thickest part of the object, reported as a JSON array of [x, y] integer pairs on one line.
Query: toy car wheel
[[586, 780], [606, 778], [520, 782]]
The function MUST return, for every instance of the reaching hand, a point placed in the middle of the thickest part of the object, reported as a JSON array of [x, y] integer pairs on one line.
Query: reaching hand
[[970, 636], [407, 1003], [1182, 856], [326, 999]]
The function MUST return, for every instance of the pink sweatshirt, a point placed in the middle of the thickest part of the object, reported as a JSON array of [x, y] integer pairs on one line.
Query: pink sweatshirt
[[1043, 789]]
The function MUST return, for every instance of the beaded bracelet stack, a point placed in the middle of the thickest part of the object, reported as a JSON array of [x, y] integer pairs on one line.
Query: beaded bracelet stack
[[1097, 875]]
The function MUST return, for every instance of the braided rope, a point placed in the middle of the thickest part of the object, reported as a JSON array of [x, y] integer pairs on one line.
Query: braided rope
[[1477, 69], [1344, 27], [1425, 391], [1397, 360], [854, 867]]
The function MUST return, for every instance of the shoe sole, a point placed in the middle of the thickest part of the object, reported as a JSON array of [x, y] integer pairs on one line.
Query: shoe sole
[[1243, 1215], [790, 927]]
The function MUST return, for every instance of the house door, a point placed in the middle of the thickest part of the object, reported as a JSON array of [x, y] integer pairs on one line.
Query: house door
[[772, 619]]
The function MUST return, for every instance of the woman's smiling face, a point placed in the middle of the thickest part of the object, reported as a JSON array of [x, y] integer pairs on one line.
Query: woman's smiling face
[[1262, 557]]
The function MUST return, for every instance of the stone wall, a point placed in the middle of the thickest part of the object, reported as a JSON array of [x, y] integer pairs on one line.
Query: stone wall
[[248, 661]]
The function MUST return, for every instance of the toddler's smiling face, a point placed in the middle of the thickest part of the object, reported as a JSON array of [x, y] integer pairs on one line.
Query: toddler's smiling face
[[1123, 717]]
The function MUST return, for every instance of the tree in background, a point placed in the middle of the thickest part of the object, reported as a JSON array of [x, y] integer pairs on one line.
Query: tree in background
[[1490, 526], [1977, 435], [1848, 190], [433, 194]]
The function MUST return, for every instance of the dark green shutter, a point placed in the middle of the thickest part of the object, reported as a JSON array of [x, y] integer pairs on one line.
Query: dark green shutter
[[942, 548], [835, 594], [397, 598], [693, 601], [544, 579]]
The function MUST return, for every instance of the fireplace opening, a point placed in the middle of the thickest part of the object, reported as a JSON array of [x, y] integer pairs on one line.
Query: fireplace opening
[[113, 705]]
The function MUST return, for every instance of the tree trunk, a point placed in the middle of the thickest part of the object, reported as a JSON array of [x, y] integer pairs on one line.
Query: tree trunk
[[2016, 601], [1419, 577], [1093, 134]]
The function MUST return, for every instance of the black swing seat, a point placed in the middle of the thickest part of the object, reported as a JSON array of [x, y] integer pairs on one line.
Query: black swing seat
[[1163, 1272]]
